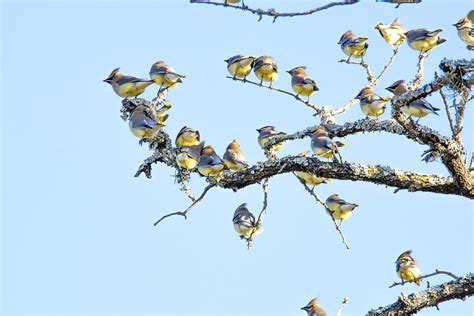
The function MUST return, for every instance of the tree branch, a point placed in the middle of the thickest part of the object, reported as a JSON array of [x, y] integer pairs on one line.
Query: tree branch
[[264, 210], [426, 276], [272, 12], [407, 305], [344, 302]]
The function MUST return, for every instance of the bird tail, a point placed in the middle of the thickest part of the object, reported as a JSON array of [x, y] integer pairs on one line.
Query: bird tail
[[418, 281], [440, 41]]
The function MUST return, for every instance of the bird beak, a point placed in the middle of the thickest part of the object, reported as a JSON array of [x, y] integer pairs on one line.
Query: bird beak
[[289, 71]]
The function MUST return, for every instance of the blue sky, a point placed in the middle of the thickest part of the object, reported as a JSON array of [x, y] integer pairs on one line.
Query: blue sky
[[77, 233]]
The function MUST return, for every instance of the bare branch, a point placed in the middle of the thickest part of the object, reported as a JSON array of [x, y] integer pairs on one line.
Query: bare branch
[[264, 210], [362, 63], [446, 105], [426, 276], [408, 305], [344, 302], [272, 12], [185, 212], [318, 199], [419, 74], [385, 68], [297, 97]]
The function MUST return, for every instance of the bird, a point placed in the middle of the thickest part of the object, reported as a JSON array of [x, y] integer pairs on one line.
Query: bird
[[187, 136], [465, 32], [266, 69], [232, 1], [417, 108], [234, 157], [187, 157], [470, 16], [313, 308], [161, 115], [370, 103], [340, 209], [393, 33], [423, 39], [210, 164], [322, 145], [127, 86], [301, 83], [309, 178], [143, 124], [407, 268], [353, 46], [240, 66], [268, 132], [245, 223], [164, 75]]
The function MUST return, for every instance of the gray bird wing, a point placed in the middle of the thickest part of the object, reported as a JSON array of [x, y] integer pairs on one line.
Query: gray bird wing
[[422, 103], [418, 34], [129, 79], [142, 121]]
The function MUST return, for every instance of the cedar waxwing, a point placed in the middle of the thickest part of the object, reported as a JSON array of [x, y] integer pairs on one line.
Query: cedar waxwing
[[393, 33], [161, 115], [266, 69], [423, 39], [142, 123], [266, 133], [340, 209], [234, 157], [418, 108], [164, 75], [308, 178], [322, 145], [466, 32], [245, 223], [407, 268], [353, 46], [126, 86], [210, 164], [370, 103], [240, 65], [187, 157], [187, 136], [313, 308], [231, 1], [301, 83]]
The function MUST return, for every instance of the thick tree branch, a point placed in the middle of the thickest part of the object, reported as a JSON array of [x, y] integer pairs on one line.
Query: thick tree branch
[[408, 305], [272, 12]]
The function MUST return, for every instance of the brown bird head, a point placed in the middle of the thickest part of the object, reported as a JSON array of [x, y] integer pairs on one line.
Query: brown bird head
[[113, 75], [266, 128], [366, 91], [377, 26], [207, 150], [397, 88], [234, 144], [320, 131], [300, 70], [313, 306], [347, 35]]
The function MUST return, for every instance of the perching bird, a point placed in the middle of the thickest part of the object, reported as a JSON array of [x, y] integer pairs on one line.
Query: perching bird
[[245, 223], [127, 86], [187, 136], [322, 145], [424, 40], [340, 209], [466, 32], [393, 33], [313, 308], [301, 83], [308, 178], [234, 157], [418, 108], [231, 1], [142, 123], [210, 164], [187, 157], [407, 268], [370, 103], [266, 69], [164, 75], [161, 115], [266, 133], [353, 46], [240, 66]]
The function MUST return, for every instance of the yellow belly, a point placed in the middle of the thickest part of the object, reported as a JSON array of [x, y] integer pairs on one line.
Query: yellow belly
[[323, 152], [354, 51], [466, 37], [424, 44], [309, 179], [276, 147], [236, 69], [162, 80], [211, 171], [146, 133], [185, 140], [185, 162], [129, 90], [342, 215], [409, 273], [372, 111], [393, 37], [266, 73], [304, 89], [233, 1], [234, 166], [414, 111]]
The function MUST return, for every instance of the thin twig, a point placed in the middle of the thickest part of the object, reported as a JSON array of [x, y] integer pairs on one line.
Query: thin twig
[[272, 12], [318, 199], [297, 97], [419, 74], [450, 119], [370, 75], [344, 302], [385, 68], [426, 276], [264, 210], [185, 212]]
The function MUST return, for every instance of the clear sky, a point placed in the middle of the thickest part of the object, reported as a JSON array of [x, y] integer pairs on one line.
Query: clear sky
[[77, 228]]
